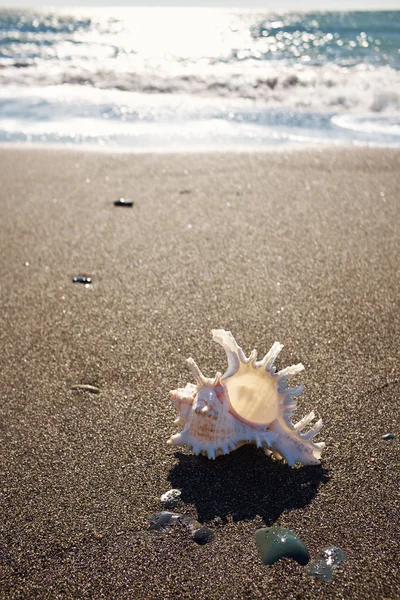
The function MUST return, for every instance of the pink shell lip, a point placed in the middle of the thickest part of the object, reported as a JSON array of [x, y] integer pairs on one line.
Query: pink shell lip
[[257, 426], [220, 393]]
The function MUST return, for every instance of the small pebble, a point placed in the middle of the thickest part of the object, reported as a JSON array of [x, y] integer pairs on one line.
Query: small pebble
[[164, 520], [276, 542], [185, 192], [388, 436], [82, 279], [202, 536], [171, 498], [92, 389], [123, 202], [325, 562]]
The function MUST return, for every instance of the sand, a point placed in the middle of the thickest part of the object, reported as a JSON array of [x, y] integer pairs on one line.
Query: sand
[[300, 247]]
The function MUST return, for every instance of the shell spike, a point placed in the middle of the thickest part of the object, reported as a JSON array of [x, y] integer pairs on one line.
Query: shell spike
[[315, 429], [178, 439], [290, 372], [294, 391], [196, 448], [272, 355], [197, 374], [211, 453], [234, 354], [253, 358], [225, 448], [305, 421], [217, 378]]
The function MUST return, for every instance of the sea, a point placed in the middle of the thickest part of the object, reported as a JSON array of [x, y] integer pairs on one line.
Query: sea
[[194, 79]]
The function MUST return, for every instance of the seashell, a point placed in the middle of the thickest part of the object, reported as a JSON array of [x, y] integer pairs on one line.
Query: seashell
[[250, 403]]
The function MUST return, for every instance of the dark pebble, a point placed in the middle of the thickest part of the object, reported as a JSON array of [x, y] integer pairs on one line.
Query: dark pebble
[[388, 436], [202, 536], [123, 202], [82, 279], [185, 192]]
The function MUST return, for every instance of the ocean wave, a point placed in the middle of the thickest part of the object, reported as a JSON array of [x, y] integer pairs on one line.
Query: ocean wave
[[247, 75], [345, 61], [111, 118], [369, 124], [360, 88]]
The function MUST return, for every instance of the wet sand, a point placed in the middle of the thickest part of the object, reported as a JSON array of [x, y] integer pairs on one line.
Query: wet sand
[[299, 247]]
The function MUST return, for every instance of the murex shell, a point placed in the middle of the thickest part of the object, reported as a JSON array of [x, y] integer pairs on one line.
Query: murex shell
[[250, 403]]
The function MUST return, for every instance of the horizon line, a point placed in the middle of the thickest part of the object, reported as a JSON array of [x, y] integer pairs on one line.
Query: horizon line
[[314, 5]]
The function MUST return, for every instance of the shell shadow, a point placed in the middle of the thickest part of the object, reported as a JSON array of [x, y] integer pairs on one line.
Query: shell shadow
[[244, 484]]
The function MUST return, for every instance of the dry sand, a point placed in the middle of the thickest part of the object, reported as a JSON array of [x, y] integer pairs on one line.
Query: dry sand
[[299, 247]]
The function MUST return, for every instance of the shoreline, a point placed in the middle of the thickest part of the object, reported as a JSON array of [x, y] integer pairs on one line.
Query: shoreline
[[234, 149], [300, 247]]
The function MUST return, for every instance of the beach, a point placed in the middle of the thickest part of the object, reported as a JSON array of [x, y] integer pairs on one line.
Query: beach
[[301, 247]]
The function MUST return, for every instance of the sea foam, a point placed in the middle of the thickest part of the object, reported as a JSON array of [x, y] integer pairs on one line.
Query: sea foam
[[199, 77]]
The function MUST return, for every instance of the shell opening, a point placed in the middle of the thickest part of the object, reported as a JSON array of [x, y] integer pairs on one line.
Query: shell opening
[[253, 395]]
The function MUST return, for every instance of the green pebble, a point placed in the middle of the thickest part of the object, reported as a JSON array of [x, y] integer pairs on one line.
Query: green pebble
[[325, 562], [275, 543]]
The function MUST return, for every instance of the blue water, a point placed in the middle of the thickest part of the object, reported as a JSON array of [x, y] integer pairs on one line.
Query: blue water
[[173, 78]]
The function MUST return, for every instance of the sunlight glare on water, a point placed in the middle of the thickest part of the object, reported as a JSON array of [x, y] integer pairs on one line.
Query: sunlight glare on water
[[200, 76]]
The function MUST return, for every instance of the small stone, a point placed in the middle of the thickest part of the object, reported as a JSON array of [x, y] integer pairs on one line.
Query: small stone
[[123, 202], [171, 498], [97, 534], [92, 389], [202, 536], [276, 542], [164, 520], [325, 562], [388, 436], [185, 191], [82, 279]]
